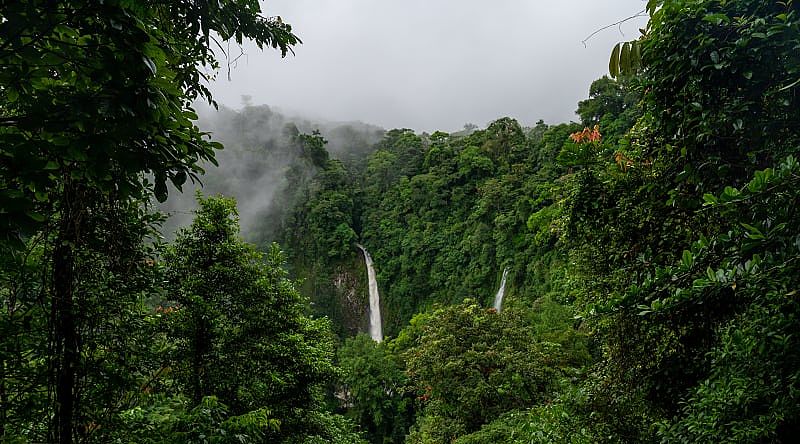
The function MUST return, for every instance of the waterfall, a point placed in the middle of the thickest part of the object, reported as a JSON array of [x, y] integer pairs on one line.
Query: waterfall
[[498, 298], [375, 326]]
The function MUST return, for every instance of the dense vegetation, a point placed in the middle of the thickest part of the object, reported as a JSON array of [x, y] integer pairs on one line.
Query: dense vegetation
[[107, 335], [652, 248], [652, 256]]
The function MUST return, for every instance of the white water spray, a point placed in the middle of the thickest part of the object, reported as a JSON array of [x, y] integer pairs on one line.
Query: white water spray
[[375, 326], [501, 292]]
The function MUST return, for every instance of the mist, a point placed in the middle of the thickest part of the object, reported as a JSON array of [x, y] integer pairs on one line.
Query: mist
[[259, 149], [433, 65]]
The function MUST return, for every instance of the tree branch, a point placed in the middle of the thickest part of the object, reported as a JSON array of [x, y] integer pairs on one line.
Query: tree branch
[[619, 23]]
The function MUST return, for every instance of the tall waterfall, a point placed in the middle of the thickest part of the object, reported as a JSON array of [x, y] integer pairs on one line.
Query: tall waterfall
[[375, 326], [501, 292]]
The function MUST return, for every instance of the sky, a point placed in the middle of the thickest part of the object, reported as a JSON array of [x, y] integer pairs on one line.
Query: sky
[[432, 64]]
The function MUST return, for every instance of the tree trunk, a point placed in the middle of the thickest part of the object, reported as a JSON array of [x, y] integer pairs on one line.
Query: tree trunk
[[202, 346], [65, 336], [3, 399]]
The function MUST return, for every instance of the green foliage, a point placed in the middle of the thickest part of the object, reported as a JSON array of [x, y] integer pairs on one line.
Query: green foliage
[[752, 392], [447, 229], [613, 105], [626, 59], [719, 88], [321, 237], [322, 226], [163, 420], [240, 331], [76, 76], [375, 389], [682, 260], [561, 421], [111, 318], [442, 216], [652, 257], [670, 228], [267, 164], [668, 225], [332, 428], [96, 118], [753, 265], [470, 364]]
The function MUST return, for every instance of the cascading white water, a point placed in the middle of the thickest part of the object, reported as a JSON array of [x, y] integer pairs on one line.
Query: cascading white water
[[501, 292], [375, 326]]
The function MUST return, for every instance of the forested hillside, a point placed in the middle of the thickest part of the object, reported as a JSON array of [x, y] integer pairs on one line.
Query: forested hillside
[[651, 251], [444, 216], [628, 277]]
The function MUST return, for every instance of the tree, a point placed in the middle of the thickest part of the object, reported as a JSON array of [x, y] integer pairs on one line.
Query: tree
[[96, 102], [118, 273], [100, 93], [670, 229], [375, 389], [612, 104], [471, 364], [240, 325]]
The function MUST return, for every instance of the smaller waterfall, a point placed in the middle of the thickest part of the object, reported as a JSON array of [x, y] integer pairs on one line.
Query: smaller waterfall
[[501, 292], [375, 325]]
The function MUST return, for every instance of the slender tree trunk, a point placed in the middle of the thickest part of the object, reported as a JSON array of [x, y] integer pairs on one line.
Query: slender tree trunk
[[3, 400], [65, 337], [202, 345], [197, 367]]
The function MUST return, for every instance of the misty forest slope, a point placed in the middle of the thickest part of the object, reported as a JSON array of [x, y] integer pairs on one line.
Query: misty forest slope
[[263, 160], [651, 249]]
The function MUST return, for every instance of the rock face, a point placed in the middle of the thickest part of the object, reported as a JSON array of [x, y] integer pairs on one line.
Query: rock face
[[337, 291], [348, 300]]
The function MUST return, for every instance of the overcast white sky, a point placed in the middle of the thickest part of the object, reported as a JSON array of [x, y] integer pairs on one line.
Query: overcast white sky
[[433, 64]]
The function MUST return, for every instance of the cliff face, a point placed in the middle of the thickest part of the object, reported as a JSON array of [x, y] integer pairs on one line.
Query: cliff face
[[350, 294], [338, 291]]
